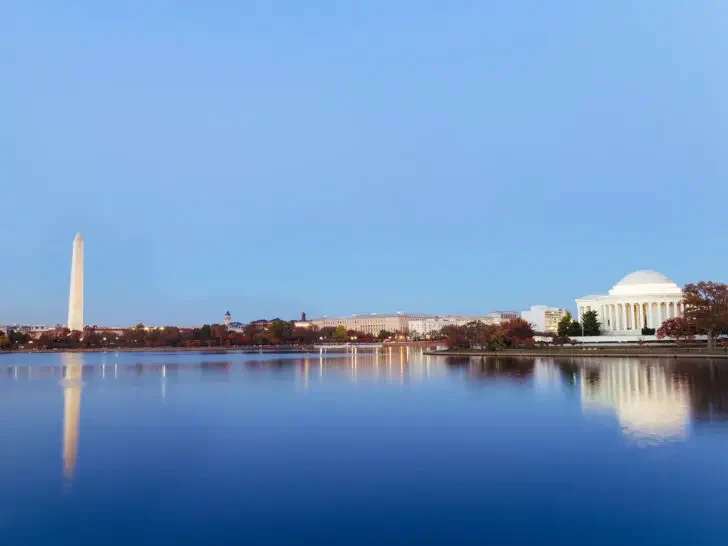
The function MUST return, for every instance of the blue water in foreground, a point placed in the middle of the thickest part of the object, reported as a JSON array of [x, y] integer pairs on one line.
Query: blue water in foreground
[[210, 448]]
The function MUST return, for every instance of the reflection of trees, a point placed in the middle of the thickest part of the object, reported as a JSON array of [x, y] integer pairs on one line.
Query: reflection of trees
[[708, 385], [513, 368], [568, 370], [215, 367]]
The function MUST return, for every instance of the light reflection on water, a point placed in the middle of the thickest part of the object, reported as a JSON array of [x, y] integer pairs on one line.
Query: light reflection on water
[[654, 404]]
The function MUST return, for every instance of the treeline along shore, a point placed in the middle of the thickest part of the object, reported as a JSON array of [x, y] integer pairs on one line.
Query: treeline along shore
[[276, 335]]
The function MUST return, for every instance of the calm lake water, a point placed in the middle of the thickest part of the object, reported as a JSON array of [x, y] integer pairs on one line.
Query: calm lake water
[[210, 448]]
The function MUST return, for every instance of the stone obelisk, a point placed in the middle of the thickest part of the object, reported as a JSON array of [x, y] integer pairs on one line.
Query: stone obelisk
[[75, 300]]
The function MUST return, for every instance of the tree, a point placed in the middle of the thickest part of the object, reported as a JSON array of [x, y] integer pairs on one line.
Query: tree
[[564, 323], [456, 337], [4, 342], [706, 307], [590, 323], [678, 328], [219, 333], [384, 334], [516, 331], [574, 329], [340, 334], [16, 337]]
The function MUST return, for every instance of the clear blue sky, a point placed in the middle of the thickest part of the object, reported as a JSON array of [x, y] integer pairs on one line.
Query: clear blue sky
[[339, 157]]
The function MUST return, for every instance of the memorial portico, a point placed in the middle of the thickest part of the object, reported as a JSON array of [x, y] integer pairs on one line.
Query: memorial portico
[[643, 299]]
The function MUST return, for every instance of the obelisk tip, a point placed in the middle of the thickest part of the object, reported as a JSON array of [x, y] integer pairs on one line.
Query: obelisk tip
[[79, 237]]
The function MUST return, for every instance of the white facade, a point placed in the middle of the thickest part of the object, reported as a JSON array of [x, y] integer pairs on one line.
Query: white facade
[[641, 299], [368, 324], [429, 325], [544, 318]]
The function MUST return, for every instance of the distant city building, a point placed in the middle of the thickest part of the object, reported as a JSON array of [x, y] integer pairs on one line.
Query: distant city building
[[641, 299], [31, 329], [369, 324], [503, 315], [544, 318], [231, 324], [302, 324], [429, 325]]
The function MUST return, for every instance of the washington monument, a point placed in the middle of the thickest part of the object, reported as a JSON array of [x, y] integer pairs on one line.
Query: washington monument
[[75, 299]]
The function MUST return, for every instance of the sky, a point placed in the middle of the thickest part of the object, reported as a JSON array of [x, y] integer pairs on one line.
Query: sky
[[275, 157]]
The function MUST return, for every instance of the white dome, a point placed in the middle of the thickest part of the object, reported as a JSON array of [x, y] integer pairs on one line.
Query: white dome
[[644, 276], [645, 282]]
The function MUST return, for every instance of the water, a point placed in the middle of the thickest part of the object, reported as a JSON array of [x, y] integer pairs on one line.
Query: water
[[210, 448]]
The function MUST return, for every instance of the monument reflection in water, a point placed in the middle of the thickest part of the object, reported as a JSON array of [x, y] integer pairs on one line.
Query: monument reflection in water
[[650, 404], [72, 384]]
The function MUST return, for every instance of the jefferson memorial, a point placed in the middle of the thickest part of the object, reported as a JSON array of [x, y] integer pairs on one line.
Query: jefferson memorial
[[641, 299]]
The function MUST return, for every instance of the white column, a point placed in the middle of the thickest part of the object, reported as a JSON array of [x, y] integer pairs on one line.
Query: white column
[[623, 317], [638, 318], [630, 316], [608, 317]]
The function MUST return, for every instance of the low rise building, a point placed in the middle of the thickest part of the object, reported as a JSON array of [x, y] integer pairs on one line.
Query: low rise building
[[544, 318], [427, 326], [369, 324]]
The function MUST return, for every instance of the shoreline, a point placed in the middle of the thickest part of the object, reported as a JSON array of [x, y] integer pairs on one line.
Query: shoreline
[[249, 349], [159, 349], [580, 353]]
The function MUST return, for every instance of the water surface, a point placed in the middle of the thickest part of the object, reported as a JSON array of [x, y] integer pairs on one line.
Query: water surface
[[395, 448]]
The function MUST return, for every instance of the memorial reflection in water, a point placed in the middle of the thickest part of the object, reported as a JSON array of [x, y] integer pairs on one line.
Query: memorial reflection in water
[[650, 403]]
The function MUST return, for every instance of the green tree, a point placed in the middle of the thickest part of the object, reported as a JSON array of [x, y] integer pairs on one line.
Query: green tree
[[384, 334], [340, 334], [590, 323], [4, 342], [282, 330], [574, 329], [564, 324]]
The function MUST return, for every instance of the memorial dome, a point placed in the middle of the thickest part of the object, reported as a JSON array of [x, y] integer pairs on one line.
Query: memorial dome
[[645, 282]]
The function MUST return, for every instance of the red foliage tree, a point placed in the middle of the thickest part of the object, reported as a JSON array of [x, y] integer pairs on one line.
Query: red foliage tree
[[678, 328], [516, 331], [706, 307]]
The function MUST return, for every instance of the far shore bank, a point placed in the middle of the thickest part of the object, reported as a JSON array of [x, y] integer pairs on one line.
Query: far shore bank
[[586, 353], [214, 349], [162, 349]]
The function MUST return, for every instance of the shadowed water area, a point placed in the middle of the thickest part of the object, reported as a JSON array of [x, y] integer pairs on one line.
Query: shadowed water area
[[394, 448]]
